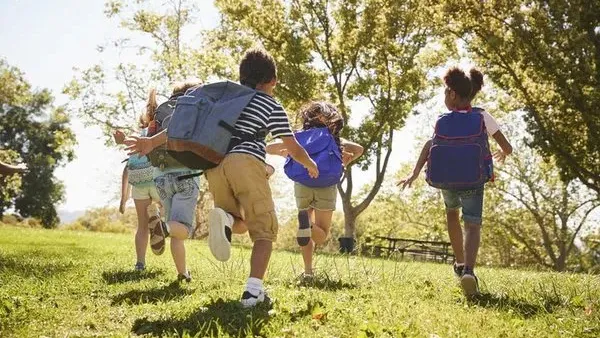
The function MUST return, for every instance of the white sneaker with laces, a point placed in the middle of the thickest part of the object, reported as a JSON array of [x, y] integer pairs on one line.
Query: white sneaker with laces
[[219, 233]]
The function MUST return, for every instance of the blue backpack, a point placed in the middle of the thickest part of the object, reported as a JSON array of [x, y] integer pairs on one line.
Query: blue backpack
[[322, 148], [202, 125], [460, 157]]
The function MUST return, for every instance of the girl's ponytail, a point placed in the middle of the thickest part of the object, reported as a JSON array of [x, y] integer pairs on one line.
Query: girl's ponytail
[[151, 106], [476, 81]]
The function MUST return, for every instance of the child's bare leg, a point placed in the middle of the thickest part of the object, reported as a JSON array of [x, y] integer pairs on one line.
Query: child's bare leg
[[239, 226], [142, 232], [321, 225], [178, 253], [259, 261], [321, 221], [307, 257], [472, 240], [456, 235]]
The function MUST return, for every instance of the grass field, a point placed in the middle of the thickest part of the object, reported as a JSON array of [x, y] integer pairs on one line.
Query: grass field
[[63, 283]]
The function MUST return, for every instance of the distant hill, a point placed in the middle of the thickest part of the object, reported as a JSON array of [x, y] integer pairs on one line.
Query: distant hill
[[69, 216]]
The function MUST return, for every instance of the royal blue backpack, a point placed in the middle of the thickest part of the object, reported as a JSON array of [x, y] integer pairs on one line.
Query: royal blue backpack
[[322, 148], [460, 158]]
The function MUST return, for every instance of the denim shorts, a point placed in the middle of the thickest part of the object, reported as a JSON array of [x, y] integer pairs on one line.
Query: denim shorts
[[471, 202], [178, 197]]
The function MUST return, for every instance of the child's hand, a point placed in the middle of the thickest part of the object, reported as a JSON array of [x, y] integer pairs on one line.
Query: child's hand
[[122, 206], [313, 171], [270, 170], [407, 182], [499, 156], [138, 145], [119, 136]]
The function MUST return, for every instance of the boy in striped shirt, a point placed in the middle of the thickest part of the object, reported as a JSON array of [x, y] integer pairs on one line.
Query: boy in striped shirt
[[241, 192]]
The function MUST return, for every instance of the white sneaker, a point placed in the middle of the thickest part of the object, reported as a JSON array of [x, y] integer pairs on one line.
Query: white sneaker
[[219, 233], [249, 300]]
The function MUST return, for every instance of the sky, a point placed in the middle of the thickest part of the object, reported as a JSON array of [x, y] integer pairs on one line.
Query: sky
[[48, 42]]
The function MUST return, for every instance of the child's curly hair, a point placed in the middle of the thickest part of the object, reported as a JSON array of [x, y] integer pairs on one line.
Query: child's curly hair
[[322, 114], [466, 86]]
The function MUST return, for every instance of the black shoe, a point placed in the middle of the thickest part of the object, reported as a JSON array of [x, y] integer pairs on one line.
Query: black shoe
[[184, 277], [458, 270]]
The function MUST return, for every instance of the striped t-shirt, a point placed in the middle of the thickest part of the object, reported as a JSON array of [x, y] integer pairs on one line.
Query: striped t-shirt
[[263, 112]]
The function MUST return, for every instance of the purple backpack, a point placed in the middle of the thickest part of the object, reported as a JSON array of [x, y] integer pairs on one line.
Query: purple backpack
[[322, 148], [460, 158]]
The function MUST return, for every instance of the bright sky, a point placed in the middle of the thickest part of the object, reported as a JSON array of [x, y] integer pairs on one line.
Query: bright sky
[[46, 39]]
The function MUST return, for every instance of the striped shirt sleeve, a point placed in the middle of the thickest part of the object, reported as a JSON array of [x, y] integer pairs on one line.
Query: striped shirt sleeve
[[279, 125]]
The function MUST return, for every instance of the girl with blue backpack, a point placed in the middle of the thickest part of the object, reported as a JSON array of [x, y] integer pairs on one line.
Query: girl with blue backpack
[[316, 197], [459, 162], [138, 173]]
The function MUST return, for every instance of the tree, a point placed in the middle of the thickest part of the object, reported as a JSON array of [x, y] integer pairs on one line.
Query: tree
[[115, 98], [539, 212], [40, 135], [343, 51], [546, 55]]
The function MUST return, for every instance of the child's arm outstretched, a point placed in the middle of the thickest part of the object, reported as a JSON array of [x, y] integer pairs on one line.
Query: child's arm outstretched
[[144, 145], [350, 151], [505, 147], [7, 169], [277, 148], [418, 167]]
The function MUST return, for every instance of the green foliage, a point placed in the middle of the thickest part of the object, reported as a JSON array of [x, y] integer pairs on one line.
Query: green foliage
[[58, 283], [546, 55], [539, 212], [10, 186], [114, 97], [39, 134]]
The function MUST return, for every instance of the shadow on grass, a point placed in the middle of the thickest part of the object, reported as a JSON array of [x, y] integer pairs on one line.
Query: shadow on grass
[[124, 276], [220, 317], [41, 266], [324, 283], [154, 295], [505, 303]]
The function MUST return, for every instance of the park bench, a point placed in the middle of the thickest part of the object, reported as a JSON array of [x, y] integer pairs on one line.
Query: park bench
[[382, 246]]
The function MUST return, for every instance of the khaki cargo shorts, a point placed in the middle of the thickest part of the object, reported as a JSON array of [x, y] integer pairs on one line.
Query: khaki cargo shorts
[[323, 199], [240, 187]]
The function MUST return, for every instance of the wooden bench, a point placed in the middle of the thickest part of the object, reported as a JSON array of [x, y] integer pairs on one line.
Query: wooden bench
[[381, 246]]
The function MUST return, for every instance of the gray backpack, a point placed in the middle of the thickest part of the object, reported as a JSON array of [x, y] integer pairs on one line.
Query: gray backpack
[[200, 132]]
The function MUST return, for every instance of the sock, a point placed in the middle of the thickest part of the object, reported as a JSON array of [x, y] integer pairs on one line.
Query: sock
[[254, 286], [468, 270], [303, 221]]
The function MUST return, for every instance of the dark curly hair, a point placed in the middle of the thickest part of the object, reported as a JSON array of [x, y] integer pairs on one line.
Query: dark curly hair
[[257, 67], [320, 114], [465, 86]]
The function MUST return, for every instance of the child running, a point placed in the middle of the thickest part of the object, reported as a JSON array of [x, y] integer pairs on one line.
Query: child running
[[139, 173], [176, 184], [247, 197], [317, 204], [460, 91]]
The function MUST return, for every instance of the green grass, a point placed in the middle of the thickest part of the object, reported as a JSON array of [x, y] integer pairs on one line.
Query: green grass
[[63, 283]]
